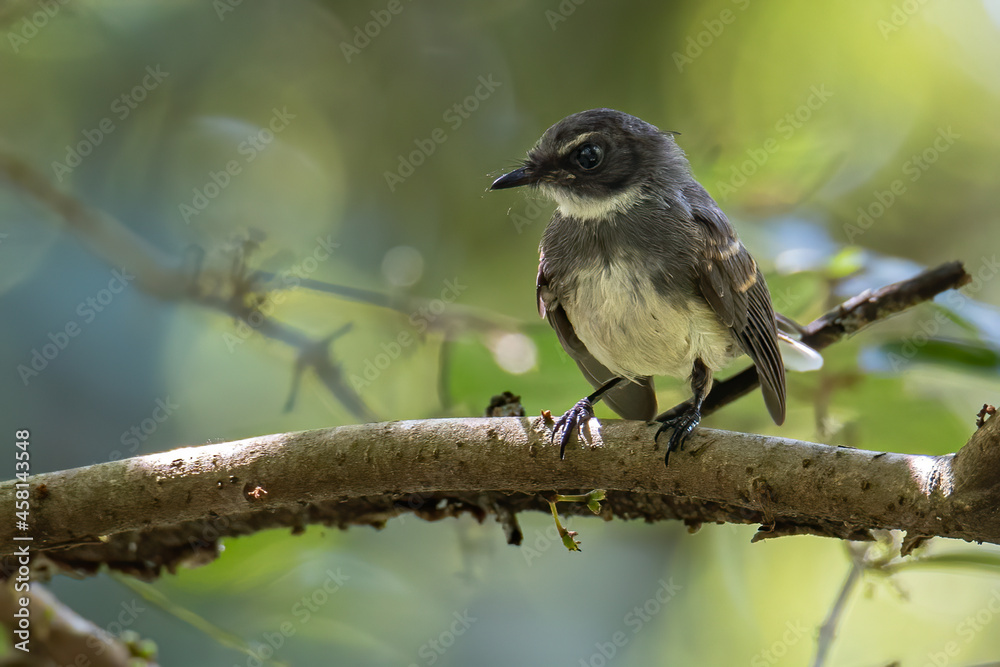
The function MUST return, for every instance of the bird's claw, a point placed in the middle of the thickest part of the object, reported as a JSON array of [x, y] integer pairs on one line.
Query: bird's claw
[[682, 425], [573, 420]]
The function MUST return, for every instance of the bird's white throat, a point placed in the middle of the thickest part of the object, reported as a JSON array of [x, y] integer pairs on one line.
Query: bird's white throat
[[590, 208]]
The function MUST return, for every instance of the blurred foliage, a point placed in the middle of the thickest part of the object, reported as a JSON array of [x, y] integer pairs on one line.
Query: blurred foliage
[[851, 143]]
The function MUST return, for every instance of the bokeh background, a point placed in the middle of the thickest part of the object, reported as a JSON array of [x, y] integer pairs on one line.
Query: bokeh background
[[851, 143]]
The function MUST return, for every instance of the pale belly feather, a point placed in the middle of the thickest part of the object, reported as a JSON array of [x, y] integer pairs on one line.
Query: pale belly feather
[[634, 331]]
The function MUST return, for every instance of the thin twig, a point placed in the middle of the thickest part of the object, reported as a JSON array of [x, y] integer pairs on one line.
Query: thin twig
[[227, 285], [844, 320], [828, 631]]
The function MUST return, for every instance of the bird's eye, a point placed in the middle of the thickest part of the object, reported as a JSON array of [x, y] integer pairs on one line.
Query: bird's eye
[[588, 156]]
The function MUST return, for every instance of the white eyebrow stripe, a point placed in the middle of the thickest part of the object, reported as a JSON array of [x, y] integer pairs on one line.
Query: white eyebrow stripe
[[568, 148]]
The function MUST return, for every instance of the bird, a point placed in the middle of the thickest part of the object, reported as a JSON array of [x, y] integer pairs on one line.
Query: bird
[[641, 274]]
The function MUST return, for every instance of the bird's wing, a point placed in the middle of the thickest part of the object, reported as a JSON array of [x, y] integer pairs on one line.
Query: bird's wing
[[630, 400], [734, 287]]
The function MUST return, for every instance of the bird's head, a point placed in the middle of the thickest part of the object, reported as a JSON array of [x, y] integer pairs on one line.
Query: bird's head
[[596, 163]]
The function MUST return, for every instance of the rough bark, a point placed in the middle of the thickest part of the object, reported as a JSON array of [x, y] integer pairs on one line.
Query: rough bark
[[139, 515]]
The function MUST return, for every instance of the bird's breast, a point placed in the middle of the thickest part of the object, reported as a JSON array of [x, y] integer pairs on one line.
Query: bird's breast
[[635, 329]]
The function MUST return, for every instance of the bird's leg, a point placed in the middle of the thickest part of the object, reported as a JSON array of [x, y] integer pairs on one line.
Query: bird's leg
[[683, 423], [579, 414]]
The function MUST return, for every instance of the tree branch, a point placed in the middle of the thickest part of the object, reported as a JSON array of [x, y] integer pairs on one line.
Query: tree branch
[[846, 319], [155, 511], [139, 515], [66, 637], [223, 282]]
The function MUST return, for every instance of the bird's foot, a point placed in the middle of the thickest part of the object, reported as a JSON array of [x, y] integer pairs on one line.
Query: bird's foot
[[572, 421], [682, 425]]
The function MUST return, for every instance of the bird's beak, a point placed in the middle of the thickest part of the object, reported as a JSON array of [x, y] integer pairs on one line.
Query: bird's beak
[[515, 178]]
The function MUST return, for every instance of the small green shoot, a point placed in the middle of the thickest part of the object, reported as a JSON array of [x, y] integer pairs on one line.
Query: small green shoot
[[593, 500]]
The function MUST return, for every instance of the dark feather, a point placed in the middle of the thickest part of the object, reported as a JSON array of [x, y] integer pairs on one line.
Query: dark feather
[[734, 287]]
